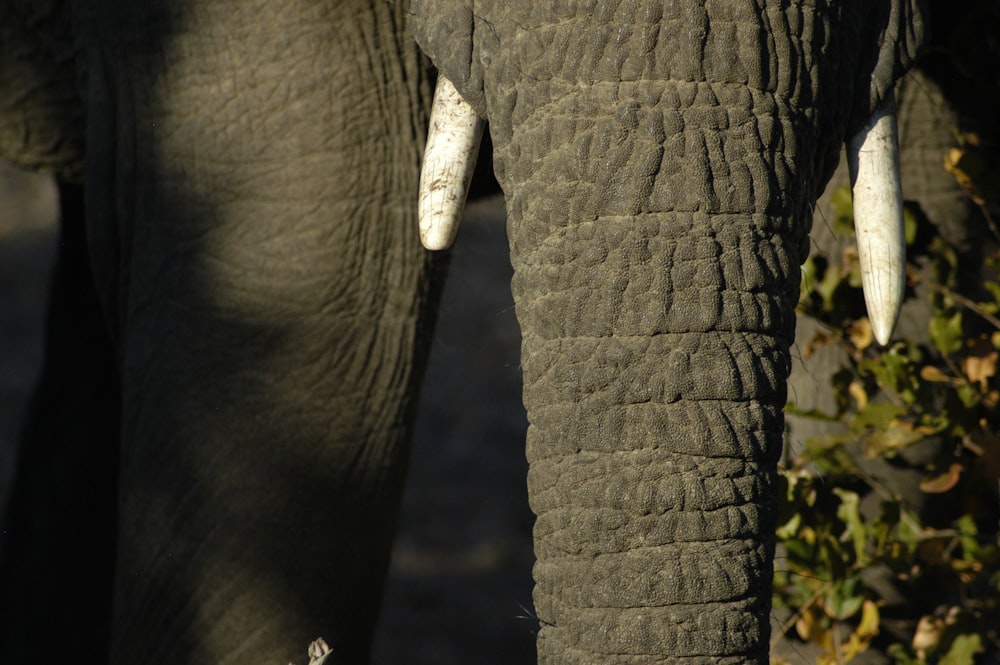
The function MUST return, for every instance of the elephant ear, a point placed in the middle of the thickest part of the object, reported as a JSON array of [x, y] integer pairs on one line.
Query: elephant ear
[[444, 30], [894, 35]]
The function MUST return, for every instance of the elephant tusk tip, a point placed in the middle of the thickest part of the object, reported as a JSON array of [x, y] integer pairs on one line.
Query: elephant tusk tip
[[449, 161], [883, 279], [882, 327], [873, 158], [438, 229]]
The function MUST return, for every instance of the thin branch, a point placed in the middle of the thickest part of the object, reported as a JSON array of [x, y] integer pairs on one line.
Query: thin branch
[[990, 222], [797, 614], [957, 297]]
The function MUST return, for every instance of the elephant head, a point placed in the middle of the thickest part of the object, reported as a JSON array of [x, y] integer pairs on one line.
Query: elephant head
[[660, 162], [266, 322]]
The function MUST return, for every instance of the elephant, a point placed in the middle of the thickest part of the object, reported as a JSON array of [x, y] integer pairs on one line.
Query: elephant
[[242, 258], [232, 455]]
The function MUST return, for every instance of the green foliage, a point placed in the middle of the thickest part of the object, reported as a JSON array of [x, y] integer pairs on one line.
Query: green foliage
[[852, 544]]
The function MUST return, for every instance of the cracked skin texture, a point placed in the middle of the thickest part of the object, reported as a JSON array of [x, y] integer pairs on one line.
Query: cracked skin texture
[[660, 163]]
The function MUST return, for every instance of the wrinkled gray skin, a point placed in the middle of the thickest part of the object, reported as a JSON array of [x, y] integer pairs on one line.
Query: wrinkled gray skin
[[250, 189], [261, 309], [660, 167]]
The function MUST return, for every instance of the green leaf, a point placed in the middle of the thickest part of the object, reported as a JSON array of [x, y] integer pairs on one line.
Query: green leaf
[[842, 203], [894, 437], [963, 650], [946, 332], [902, 657], [945, 259], [807, 281], [849, 513], [894, 370], [994, 289], [841, 602], [799, 551], [969, 395], [788, 530], [828, 288], [877, 415], [829, 456], [968, 532], [811, 414], [909, 529]]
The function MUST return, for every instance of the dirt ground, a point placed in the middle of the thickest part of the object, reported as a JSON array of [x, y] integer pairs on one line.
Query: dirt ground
[[459, 589]]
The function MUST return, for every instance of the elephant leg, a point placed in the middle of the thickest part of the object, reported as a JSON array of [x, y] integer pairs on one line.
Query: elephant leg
[[58, 544], [251, 199]]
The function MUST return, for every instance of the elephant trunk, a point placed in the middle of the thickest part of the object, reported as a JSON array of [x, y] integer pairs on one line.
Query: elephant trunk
[[655, 282], [659, 163], [655, 354], [652, 445]]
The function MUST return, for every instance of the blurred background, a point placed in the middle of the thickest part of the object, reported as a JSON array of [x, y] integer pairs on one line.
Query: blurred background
[[27, 250]]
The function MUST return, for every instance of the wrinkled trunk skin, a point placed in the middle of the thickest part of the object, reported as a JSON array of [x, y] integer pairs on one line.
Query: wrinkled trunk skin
[[659, 163], [656, 318]]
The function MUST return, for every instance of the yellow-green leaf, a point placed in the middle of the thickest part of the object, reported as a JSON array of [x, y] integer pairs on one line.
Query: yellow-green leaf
[[842, 203], [963, 650], [849, 513], [946, 332], [896, 436], [943, 482], [868, 627]]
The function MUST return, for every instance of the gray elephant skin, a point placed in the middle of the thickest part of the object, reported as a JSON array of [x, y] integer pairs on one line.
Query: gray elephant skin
[[243, 260]]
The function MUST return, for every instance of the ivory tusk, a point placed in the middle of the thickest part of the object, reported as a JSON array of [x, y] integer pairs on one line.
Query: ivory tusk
[[449, 160], [873, 159]]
